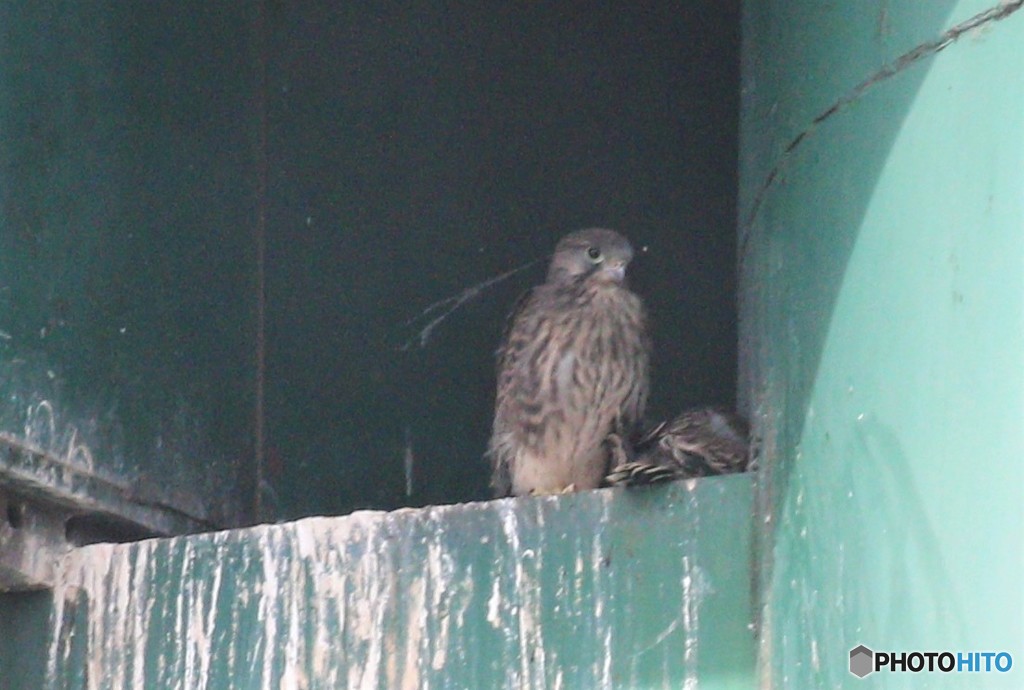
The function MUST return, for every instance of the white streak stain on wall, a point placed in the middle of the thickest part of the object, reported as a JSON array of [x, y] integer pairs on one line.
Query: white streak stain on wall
[[268, 604], [603, 664], [139, 617], [370, 600]]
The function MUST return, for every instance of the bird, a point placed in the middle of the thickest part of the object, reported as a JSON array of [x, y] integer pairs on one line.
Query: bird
[[573, 367], [699, 442]]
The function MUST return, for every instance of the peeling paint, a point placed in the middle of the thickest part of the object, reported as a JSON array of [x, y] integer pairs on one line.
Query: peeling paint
[[478, 595]]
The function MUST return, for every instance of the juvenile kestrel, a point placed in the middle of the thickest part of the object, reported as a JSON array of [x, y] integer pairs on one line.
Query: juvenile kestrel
[[572, 369], [697, 443]]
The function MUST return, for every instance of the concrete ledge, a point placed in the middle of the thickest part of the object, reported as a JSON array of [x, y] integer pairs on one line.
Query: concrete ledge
[[603, 589]]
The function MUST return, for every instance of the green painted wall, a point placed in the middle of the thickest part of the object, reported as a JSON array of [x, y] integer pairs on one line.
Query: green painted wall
[[24, 630], [127, 199], [882, 331], [882, 334], [410, 152], [603, 589]]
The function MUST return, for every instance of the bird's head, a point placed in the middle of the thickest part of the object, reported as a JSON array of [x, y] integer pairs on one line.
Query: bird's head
[[597, 254]]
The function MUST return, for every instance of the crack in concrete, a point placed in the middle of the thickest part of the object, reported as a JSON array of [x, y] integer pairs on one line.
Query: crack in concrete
[[993, 14]]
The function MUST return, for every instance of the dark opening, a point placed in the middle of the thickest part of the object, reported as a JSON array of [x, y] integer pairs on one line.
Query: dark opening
[[84, 529], [413, 154], [15, 514], [225, 221]]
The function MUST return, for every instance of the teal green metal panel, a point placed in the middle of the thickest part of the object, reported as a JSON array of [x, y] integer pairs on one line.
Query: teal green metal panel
[[883, 331], [128, 150], [23, 630], [647, 588]]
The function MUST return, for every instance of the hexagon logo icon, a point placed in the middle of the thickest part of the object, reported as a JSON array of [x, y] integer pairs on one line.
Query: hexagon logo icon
[[861, 661]]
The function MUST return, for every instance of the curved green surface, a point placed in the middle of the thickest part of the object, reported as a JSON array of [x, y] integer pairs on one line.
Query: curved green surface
[[883, 331]]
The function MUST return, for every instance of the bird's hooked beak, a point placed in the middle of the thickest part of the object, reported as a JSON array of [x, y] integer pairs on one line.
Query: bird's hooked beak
[[613, 271]]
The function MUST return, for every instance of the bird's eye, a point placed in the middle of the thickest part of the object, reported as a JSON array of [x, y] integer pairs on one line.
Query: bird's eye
[[594, 254]]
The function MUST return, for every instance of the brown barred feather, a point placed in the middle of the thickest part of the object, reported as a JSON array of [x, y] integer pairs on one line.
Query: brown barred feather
[[572, 368], [698, 443]]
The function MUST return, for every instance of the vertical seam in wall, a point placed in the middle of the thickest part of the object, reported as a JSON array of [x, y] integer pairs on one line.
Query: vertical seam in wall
[[260, 231]]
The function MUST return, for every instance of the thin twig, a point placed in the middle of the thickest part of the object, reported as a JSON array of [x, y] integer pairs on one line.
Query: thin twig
[[455, 302]]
